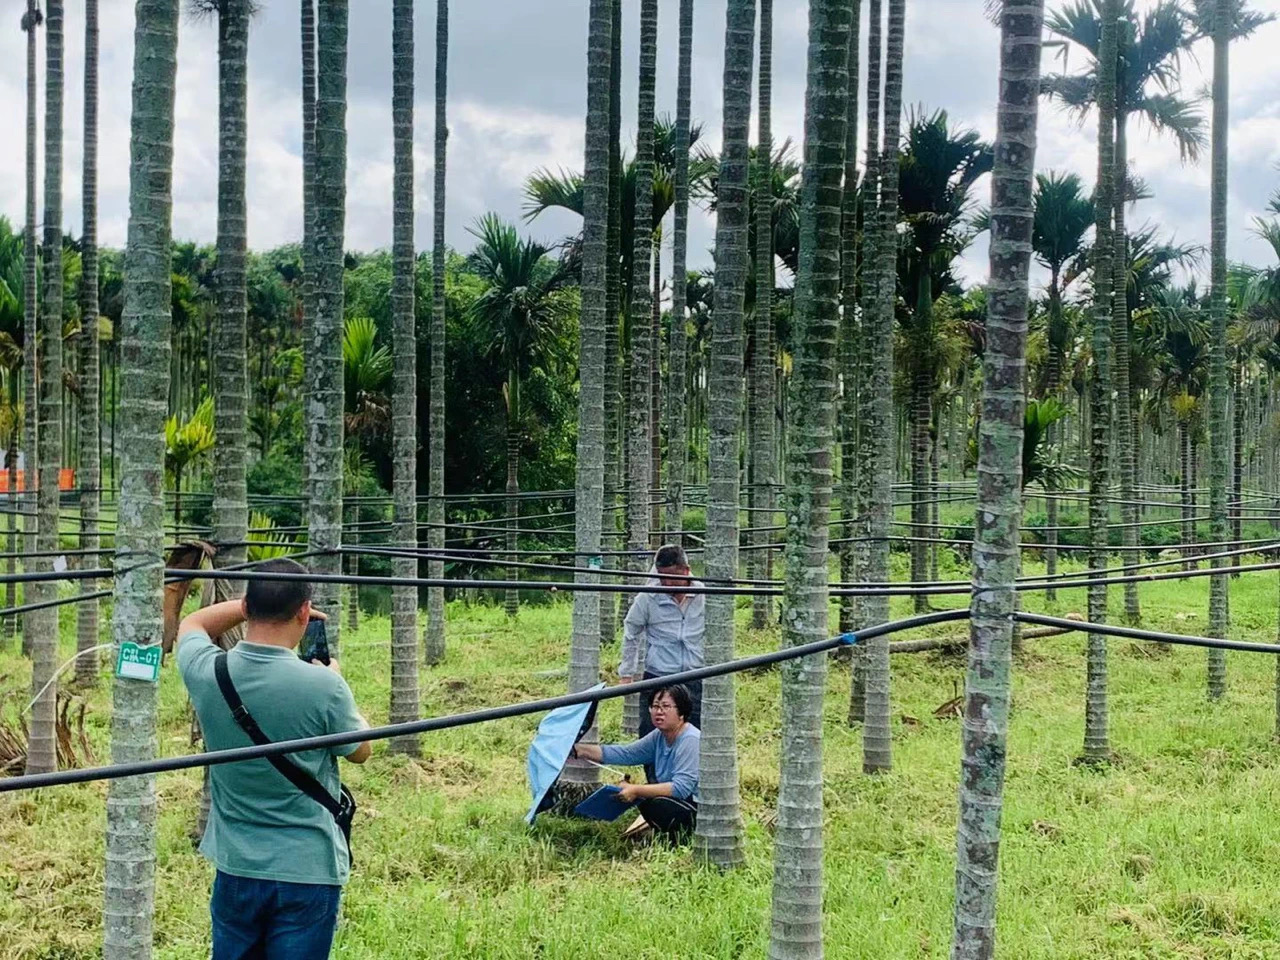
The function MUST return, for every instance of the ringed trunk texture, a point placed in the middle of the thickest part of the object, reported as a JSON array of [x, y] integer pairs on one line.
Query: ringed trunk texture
[[798, 840], [1097, 747], [999, 509], [308, 30], [42, 745], [90, 469], [511, 600], [1126, 439], [584, 650], [719, 837], [30, 327], [435, 640], [762, 375], [1219, 435], [145, 337], [324, 369], [876, 749], [404, 705]]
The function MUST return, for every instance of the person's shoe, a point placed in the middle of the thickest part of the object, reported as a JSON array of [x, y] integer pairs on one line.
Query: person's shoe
[[639, 830]]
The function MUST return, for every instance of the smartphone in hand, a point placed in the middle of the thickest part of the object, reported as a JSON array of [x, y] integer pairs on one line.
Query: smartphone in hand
[[315, 642]]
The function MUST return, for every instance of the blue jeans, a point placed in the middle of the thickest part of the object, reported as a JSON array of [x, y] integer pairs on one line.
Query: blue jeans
[[272, 920]]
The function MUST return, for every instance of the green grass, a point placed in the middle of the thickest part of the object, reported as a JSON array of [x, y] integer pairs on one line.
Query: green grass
[[1174, 851]]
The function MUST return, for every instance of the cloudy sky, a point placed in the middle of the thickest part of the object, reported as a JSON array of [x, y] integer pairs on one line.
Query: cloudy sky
[[517, 100]]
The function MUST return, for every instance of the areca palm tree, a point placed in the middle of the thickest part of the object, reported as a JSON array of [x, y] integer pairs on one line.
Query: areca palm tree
[[521, 314], [876, 749], [404, 398], [42, 747], [1063, 215], [584, 651], [435, 641], [144, 374], [31, 20], [939, 167], [719, 832], [12, 309], [797, 876], [324, 359], [1149, 48], [999, 507], [90, 470]]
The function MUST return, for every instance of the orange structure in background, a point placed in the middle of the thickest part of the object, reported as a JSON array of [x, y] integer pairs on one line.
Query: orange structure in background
[[66, 480]]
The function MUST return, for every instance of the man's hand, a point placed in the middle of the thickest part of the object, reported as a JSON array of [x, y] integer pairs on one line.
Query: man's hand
[[631, 679], [628, 793], [332, 665], [318, 614]]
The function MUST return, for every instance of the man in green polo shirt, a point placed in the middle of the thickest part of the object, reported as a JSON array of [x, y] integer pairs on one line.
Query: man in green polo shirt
[[281, 858]]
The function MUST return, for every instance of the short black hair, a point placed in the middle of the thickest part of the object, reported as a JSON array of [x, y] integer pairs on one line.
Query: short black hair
[[680, 696], [670, 555], [277, 601]]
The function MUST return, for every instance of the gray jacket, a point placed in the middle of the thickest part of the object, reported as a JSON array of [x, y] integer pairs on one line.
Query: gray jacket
[[666, 636]]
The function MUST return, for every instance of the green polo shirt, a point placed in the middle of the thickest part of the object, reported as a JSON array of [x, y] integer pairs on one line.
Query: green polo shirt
[[261, 825]]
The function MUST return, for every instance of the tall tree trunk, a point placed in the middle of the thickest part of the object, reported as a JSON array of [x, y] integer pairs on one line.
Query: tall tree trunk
[[1237, 453], [850, 328], [90, 469], [1053, 388], [404, 397], [870, 278], [719, 833], [677, 349], [1097, 747], [612, 515], [655, 391], [511, 601], [435, 641], [30, 329], [999, 508], [584, 650], [129, 881], [921, 414], [324, 367], [309, 265], [1125, 434], [1219, 437], [876, 751], [638, 316], [1188, 504], [797, 872], [762, 376], [42, 746], [230, 336]]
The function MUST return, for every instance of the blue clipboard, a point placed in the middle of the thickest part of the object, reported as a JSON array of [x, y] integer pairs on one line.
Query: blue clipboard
[[603, 805]]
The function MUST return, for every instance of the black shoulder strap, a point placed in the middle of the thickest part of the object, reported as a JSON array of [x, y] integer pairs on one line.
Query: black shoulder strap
[[291, 771]]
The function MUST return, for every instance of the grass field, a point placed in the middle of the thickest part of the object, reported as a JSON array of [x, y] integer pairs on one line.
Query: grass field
[[1174, 851]]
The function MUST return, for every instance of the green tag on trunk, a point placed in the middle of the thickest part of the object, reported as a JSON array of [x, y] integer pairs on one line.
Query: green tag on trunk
[[596, 563], [138, 663]]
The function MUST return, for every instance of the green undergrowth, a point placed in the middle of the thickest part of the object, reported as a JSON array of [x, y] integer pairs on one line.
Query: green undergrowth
[[1173, 851]]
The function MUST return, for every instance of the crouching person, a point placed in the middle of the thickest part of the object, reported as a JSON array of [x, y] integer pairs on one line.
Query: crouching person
[[670, 803], [280, 854]]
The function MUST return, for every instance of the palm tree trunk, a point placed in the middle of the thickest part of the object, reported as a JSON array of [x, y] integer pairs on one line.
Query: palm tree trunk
[[351, 563], [1237, 453], [1219, 437], [30, 328], [11, 501], [876, 749], [1053, 388], [870, 278], [308, 221], [655, 390], [850, 328], [404, 705], [324, 367], [512, 597], [639, 450], [230, 336], [129, 881], [435, 641], [677, 349], [1188, 505], [1124, 422], [797, 873], [1097, 747], [90, 472], [612, 516], [762, 496], [719, 834], [42, 745], [999, 509], [921, 414], [584, 650]]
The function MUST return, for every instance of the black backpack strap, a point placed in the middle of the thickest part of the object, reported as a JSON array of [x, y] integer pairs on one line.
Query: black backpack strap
[[342, 810]]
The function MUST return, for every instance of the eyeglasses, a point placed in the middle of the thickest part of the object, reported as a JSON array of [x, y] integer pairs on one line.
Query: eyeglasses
[[661, 707]]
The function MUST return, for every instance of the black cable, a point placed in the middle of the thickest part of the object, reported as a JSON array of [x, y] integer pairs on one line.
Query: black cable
[[1154, 636]]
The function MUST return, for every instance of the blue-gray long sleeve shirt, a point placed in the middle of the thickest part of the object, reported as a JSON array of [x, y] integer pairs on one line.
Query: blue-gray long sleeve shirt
[[669, 634], [673, 763]]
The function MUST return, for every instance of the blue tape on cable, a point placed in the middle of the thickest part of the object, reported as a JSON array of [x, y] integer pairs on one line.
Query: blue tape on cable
[[849, 639]]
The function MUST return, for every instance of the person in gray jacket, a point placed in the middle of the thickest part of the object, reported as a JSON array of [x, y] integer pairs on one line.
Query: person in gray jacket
[[666, 629]]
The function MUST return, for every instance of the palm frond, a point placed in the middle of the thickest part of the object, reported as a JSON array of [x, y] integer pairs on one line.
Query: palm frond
[[1177, 117], [545, 190]]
